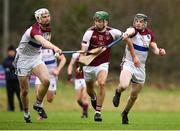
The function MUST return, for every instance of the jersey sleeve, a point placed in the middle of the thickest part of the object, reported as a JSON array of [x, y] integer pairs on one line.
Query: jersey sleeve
[[86, 38], [75, 56], [115, 33], [35, 31], [152, 36]]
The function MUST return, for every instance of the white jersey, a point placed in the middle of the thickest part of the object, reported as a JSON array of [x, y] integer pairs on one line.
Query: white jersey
[[28, 45], [141, 42], [28, 53], [51, 63], [49, 59]]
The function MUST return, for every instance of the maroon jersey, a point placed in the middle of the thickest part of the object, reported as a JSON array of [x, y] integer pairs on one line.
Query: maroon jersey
[[95, 39]]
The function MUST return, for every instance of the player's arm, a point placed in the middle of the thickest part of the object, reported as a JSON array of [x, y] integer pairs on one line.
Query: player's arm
[[132, 51], [129, 32], [84, 47], [47, 44], [156, 50], [86, 40], [126, 36], [70, 68], [62, 61]]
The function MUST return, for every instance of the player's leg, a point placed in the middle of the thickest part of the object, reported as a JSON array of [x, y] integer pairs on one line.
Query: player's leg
[[90, 77], [101, 80], [124, 81], [23, 81], [78, 88], [79, 98], [91, 93], [52, 89], [36, 88], [37, 85], [136, 88], [42, 73], [84, 99]]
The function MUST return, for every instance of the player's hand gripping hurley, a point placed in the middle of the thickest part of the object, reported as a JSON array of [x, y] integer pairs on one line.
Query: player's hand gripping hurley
[[87, 59]]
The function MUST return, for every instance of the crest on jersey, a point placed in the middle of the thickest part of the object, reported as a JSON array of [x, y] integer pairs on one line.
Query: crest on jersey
[[47, 36], [149, 36], [101, 37]]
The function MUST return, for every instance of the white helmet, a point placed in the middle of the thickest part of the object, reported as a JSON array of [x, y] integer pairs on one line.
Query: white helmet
[[38, 13]]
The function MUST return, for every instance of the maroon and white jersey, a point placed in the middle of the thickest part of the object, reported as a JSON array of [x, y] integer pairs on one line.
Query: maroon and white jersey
[[28, 45], [78, 75], [93, 39], [141, 42]]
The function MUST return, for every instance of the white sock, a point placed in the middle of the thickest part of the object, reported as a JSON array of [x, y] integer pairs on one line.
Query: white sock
[[26, 114]]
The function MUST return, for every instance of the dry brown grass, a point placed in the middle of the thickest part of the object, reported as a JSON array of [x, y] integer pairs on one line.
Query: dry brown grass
[[150, 99]]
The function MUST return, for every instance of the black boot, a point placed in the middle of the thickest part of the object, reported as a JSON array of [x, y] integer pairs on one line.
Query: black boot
[[116, 98]]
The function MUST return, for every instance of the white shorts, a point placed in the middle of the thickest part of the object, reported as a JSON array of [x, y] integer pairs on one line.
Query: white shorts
[[138, 74], [90, 72], [79, 84], [53, 83], [24, 64]]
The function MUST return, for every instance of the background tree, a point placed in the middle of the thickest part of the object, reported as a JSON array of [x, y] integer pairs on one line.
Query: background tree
[[70, 19]]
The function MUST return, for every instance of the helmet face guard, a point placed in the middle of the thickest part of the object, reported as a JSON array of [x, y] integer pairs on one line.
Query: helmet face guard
[[38, 14], [140, 16]]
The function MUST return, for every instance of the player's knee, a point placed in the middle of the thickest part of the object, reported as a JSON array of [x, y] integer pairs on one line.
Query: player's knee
[[123, 86], [101, 84]]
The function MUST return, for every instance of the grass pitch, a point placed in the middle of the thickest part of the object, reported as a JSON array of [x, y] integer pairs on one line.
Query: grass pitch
[[155, 109], [70, 120]]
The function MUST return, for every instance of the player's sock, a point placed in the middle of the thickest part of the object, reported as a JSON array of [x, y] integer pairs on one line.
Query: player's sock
[[85, 110], [27, 117], [93, 100], [26, 110], [38, 103], [98, 108]]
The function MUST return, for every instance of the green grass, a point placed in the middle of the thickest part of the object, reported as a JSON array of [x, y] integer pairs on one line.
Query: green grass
[[70, 120], [155, 109]]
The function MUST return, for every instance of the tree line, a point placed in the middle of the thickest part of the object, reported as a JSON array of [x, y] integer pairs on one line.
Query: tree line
[[71, 18]]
